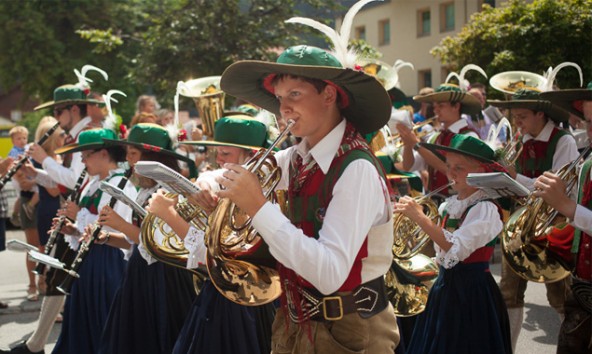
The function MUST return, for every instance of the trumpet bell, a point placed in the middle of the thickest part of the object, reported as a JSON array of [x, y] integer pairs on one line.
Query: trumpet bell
[[208, 99], [511, 81], [408, 284]]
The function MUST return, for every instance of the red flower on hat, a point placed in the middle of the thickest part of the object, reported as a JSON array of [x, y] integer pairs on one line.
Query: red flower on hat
[[86, 90], [123, 130], [182, 135]]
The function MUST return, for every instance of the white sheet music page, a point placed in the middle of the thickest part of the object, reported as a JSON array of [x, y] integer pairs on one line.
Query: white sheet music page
[[166, 177]]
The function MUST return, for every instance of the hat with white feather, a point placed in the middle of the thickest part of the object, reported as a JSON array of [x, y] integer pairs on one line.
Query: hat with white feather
[[362, 99], [532, 97], [74, 94], [448, 92]]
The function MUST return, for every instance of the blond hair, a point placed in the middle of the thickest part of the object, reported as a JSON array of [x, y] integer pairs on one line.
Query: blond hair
[[19, 129], [52, 142]]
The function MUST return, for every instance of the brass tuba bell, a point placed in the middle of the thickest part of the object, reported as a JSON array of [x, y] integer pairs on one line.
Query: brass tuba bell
[[208, 98], [511, 81]]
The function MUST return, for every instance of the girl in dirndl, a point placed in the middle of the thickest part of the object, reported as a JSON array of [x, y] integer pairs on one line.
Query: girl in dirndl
[[465, 312]]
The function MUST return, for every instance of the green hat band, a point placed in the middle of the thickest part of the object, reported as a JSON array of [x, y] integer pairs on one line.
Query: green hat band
[[526, 94], [471, 146], [68, 93], [589, 87], [151, 134], [96, 136], [447, 88], [240, 131]]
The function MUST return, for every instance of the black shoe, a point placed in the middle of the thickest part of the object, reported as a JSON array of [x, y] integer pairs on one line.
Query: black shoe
[[21, 348]]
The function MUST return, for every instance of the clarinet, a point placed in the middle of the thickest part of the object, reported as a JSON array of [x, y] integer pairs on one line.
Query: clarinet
[[22, 161], [72, 272], [73, 197]]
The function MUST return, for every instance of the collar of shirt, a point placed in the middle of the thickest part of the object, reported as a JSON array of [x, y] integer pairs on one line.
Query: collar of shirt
[[325, 150], [78, 127], [458, 125], [544, 135]]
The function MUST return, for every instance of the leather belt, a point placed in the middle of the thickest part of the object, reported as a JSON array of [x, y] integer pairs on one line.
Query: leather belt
[[367, 300]]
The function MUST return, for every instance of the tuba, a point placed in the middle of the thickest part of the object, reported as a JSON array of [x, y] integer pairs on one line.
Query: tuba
[[511, 81], [208, 98], [525, 239], [238, 260], [163, 243]]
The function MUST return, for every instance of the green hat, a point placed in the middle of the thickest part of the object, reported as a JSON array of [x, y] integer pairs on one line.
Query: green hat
[[530, 98], [465, 145], [571, 99], [67, 95], [393, 173], [469, 104], [238, 130], [92, 139], [155, 138], [362, 99]]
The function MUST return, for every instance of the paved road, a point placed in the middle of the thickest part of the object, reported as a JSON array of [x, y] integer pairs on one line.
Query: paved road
[[539, 330]]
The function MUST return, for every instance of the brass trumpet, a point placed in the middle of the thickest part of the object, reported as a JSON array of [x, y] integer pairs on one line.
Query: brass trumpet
[[396, 138], [238, 260], [524, 240]]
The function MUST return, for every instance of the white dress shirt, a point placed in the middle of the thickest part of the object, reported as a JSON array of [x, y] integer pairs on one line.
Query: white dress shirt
[[565, 152], [64, 175]]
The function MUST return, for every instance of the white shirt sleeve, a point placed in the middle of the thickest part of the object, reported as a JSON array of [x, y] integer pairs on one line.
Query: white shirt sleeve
[[565, 152], [481, 225], [583, 219], [64, 175], [326, 262], [194, 243]]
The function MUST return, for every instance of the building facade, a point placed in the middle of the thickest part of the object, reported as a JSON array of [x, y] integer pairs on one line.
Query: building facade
[[409, 29]]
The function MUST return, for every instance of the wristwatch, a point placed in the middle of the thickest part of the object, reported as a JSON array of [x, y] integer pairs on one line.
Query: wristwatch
[[416, 147]]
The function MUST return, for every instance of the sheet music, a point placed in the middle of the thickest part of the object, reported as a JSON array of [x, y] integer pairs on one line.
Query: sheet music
[[166, 177], [19, 246], [45, 259], [497, 184], [118, 194]]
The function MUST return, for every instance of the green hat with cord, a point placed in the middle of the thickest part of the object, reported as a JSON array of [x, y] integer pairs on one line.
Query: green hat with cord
[[531, 98], [92, 139], [570, 99], [237, 130], [155, 138], [68, 95], [465, 145], [361, 98]]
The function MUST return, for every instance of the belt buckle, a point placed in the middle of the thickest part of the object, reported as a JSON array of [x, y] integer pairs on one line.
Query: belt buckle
[[332, 298]]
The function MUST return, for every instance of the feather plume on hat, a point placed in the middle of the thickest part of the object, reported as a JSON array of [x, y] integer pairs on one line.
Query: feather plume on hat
[[462, 82], [347, 57], [111, 120], [551, 73], [174, 128], [83, 80]]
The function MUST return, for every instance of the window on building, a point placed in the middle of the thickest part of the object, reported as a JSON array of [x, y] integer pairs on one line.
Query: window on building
[[423, 22], [488, 2], [447, 17], [384, 32], [424, 78], [360, 32]]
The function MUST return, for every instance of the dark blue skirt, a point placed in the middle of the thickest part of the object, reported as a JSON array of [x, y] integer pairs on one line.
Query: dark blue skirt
[[465, 314], [47, 209], [87, 307], [218, 325], [149, 308]]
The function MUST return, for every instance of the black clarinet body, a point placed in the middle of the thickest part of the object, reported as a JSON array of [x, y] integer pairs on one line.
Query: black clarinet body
[[22, 161], [85, 247], [55, 232]]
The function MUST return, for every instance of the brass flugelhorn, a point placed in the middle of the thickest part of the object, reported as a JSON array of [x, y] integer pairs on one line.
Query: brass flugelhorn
[[524, 240], [24, 159], [238, 261]]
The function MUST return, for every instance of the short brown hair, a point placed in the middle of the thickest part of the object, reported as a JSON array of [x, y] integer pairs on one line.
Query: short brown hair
[[19, 129]]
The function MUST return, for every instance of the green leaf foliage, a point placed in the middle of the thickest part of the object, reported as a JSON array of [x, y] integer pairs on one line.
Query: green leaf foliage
[[525, 36]]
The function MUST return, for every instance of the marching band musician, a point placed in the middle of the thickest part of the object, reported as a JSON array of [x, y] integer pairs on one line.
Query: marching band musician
[[465, 312], [575, 335], [69, 108], [334, 248], [101, 271], [449, 102], [216, 324], [546, 147], [154, 294]]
